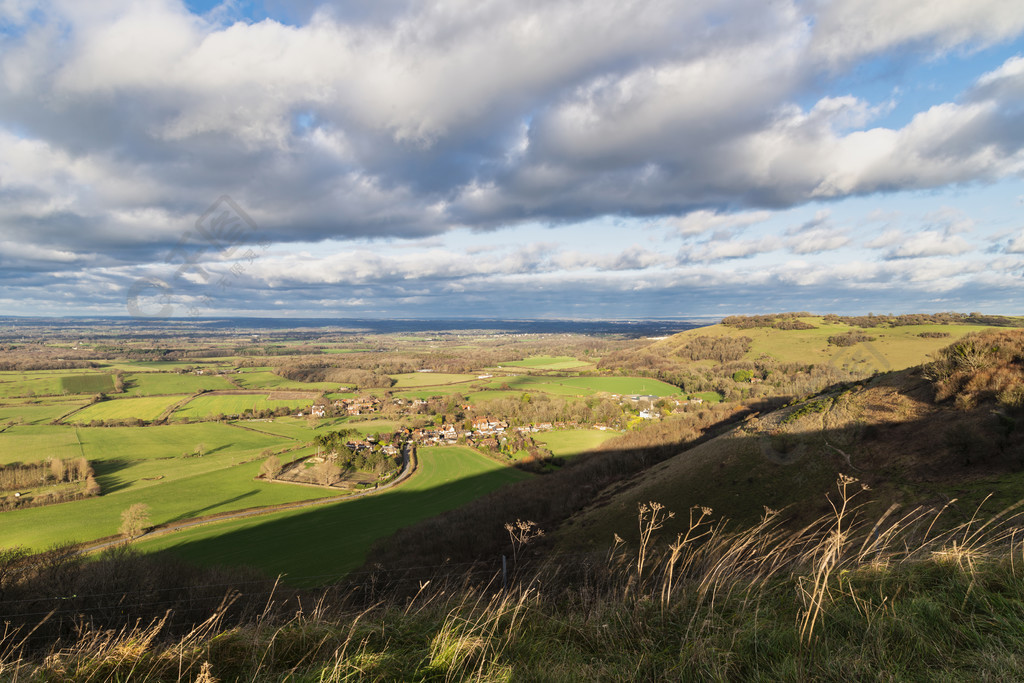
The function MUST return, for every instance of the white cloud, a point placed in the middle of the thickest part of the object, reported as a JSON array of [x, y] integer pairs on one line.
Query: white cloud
[[697, 222], [930, 243], [845, 30]]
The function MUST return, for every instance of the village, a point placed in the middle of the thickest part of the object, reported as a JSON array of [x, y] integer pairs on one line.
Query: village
[[487, 433]]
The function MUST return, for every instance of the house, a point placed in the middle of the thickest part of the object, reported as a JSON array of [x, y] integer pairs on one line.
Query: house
[[318, 410]]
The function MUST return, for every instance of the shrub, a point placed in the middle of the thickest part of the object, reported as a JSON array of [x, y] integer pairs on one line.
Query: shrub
[[849, 338]]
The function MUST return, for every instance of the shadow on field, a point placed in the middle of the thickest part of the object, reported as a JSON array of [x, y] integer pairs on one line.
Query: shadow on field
[[106, 474], [201, 511], [320, 544]]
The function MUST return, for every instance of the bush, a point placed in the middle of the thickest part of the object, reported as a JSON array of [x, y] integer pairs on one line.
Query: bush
[[849, 338]]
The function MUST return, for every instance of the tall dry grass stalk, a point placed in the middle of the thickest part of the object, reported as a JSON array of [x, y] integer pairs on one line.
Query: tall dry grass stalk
[[468, 628]]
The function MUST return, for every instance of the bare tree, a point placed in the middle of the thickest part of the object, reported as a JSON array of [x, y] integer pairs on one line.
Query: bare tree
[[326, 473], [271, 467], [134, 520]]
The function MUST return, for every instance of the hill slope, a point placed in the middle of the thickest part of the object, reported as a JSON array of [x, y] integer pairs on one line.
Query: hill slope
[[921, 436], [794, 354]]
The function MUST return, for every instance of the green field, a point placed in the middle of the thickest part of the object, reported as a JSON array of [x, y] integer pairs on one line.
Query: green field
[[708, 396], [894, 348], [203, 493], [37, 414], [154, 383], [365, 427], [587, 386], [570, 442], [31, 443], [294, 427], [549, 363], [314, 545], [414, 380], [146, 408], [233, 404], [157, 465], [31, 384], [87, 384]]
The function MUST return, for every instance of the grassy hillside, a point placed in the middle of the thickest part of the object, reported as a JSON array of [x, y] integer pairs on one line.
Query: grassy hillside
[[889, 430], [893, 348]]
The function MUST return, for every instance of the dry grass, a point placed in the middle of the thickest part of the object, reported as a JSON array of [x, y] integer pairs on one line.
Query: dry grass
[[843, 597]]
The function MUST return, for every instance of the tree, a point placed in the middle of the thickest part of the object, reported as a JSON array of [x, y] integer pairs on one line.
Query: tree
[[271, 467], [326, 473], [134, 520]]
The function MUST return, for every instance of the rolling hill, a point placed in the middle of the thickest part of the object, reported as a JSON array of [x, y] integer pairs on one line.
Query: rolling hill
[[945, 433]]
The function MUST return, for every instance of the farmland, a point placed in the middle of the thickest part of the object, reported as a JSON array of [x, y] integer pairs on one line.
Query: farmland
[[146, 408], [157, 383], [570, 442], [87, 384], [209, 405], [205, 459], [329, 541], [587, 386], [549, 363], [415, 380], [21, 384]]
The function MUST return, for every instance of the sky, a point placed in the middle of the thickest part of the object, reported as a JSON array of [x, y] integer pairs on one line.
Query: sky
[[577, 159]]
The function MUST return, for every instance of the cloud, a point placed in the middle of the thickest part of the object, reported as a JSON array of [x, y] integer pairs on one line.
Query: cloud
[[345, 124], [721, 250], [846, 30], [926, 243], [704, 220], [1016, 244]]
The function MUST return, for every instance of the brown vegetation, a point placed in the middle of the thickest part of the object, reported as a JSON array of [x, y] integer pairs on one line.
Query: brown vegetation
[[779, 321], [61, 475], [985, 366]]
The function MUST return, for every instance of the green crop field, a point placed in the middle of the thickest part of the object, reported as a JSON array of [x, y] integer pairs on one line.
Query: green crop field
[[196, 492], [413, 380], [31, 443], [145, 408], [21, 384], [154, 383], [314, 545], [587, 386], [165, 442], [569, 442], [294, 427], [549, 363], [87, 384], [233, 404], [365, 427], [37, 414]]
